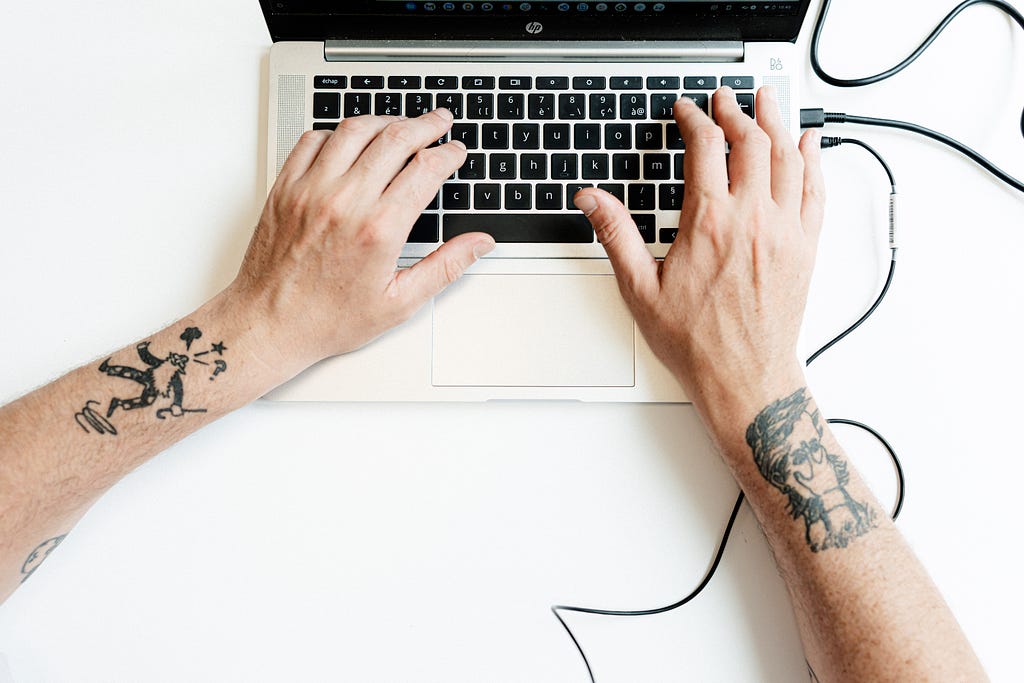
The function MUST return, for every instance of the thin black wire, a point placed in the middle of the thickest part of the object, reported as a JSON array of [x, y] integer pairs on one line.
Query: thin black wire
[[720, 551], [819, 24]]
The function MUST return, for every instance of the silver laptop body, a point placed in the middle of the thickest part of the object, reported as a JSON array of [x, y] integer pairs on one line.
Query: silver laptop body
[[541, 316]]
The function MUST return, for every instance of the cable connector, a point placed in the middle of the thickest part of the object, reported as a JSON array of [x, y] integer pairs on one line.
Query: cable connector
[[828, 142], [816, 118]]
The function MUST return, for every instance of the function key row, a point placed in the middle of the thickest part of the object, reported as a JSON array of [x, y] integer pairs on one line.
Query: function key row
[[527, 82]]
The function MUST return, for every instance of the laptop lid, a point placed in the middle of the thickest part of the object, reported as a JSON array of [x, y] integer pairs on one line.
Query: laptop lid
[[674, 20]]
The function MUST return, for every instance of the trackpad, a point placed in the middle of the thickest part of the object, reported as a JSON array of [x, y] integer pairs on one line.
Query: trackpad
[[533, 331]]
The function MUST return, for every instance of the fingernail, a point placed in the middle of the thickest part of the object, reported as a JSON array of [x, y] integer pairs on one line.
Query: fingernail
[[458, 143], [444, 114], [727, 90], [483, 247], [586, 203]]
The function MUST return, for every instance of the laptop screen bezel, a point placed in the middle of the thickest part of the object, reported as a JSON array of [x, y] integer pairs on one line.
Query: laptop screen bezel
[[318, 20]]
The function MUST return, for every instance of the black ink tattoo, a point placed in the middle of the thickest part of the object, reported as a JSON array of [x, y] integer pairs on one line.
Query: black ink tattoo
[[36, 557], [162, 377], [88, 417], [786, 439]]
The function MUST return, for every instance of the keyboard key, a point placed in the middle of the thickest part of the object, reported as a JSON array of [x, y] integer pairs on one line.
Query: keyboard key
[[326, 105], [661, 106], [357, 104], [487, 197], [478, 82], [657, 166], [595, 166], [739, 82], [510, 227], [649, 135], [617, 190], [572, 106], [480, 106], [466, 133], [602, 106], [442, 82], [663, 82], [526, 136], [673, 139], [746, 102], [646, 225], [405, 82], [700, 99], [626, 83], [626, 166], [641, 197], [667, 235], [425, 229], [553, 83], [388, 104], [515, 82], [541, 106], [367, 82], [325, 125], [503, 166], [495, 136], [678, 166], [563, 167], [633, 106], [510, 106], [587, 136], [518, 196], [452, 102], [570, 194], [533, 167], [556, 136], [589, 83], [455, 196], [618, 136], [549, 196], [700, 82], [417, 104], [473, 168], [670, 197], [330, 83]]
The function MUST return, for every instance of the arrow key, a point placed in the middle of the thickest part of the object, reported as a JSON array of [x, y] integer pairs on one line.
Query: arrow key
[[404, 82], [367, 82]]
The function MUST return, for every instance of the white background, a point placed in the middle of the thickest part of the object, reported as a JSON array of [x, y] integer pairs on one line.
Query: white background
[[426, 542]]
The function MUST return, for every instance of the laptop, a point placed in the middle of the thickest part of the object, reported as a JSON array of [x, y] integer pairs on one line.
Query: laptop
[[548, 97]]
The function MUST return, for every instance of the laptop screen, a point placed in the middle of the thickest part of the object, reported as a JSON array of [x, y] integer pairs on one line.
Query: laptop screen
[[674, 20]]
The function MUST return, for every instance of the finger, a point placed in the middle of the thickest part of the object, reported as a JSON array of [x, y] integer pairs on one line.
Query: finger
[[303, 155], [812, 211], [428, 278], [417, 185], [387, 155], [787, 165], [750, 148], [704, 161], [635, 268], [350, 140]]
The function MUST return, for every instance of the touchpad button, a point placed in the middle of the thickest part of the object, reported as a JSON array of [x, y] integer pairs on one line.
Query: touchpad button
[[533, 331]]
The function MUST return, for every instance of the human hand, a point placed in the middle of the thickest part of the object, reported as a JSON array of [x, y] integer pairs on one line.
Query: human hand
[[321, 271], [723, 310]]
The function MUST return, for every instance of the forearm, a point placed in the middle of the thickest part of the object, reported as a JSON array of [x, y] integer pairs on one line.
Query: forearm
[[64, 444], [866, 608]]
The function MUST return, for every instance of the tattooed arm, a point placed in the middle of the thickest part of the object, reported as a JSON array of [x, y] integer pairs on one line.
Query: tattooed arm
[[319, 279], [723, 312]]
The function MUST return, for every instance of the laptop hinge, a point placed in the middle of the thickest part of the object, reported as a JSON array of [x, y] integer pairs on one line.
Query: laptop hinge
[[518, 51]]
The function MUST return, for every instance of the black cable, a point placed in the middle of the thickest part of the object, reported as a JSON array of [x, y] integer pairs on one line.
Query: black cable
[[720, 551], [1006, 7]]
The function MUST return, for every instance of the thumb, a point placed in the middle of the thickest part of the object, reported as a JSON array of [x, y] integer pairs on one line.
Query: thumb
[[442, 267], [635, 268]]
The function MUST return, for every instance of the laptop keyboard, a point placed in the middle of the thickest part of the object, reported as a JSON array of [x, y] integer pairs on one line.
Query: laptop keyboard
[[534, 141]]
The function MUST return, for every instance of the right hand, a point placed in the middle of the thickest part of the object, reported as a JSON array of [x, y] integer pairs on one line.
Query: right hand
[[723, 310]]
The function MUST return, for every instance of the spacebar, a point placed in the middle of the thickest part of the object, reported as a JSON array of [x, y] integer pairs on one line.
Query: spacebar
[[522, 227]]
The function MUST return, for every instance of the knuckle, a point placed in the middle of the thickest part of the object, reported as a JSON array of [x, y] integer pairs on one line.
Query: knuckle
[[451, 270], [752, 136], [401, 135], [436, 162], [356, 124], [709, 135]]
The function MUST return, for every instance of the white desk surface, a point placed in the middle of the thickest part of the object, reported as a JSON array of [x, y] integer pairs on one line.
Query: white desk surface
[[426, 542]]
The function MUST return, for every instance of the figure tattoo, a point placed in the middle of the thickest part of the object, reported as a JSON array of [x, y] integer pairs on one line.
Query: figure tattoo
[[786, 439], [36, 557], [161, 378]]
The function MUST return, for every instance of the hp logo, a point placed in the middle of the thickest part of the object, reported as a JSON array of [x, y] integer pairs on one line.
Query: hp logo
[[534, 27]]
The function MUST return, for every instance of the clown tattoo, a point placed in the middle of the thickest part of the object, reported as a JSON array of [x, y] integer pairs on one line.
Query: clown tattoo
[[158, 378], [786, 438]]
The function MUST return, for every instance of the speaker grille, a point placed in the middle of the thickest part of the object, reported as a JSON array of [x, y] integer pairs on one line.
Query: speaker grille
[[781, 84], [291, 115]]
